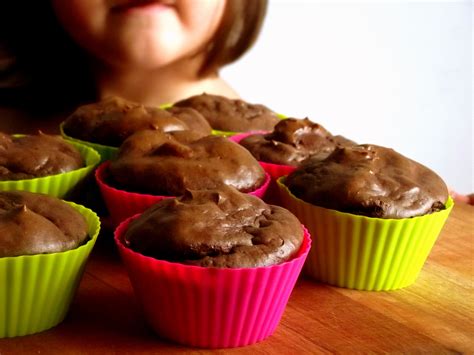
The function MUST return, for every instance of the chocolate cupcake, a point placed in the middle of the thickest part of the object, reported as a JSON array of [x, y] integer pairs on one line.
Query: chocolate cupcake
[[37, 224], [213, 268], [153, 165], [292, 141], [32, 156], [227, 114], [192, 118], [168, 164], [216, 228], [369, 180], [376, 213], [44, 246], [106, 124], [43, 163]]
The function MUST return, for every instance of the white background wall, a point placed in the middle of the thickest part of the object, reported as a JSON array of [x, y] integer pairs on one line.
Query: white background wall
[[393, 73]]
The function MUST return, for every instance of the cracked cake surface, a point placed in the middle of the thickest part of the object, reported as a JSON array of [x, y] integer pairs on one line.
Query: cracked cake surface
[[216, 228]]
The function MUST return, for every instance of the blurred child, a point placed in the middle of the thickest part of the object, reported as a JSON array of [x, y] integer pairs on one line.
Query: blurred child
[[59, 54]]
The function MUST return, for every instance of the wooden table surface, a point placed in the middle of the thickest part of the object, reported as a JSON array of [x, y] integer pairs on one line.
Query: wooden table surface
[[435, 315]]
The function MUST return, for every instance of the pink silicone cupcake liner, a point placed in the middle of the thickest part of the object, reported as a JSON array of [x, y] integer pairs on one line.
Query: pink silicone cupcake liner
[[260, 192], [123, 204], [211, 307], [277, 170]]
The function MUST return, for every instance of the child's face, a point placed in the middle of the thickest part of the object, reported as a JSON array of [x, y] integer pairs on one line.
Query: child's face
[[140, 34]]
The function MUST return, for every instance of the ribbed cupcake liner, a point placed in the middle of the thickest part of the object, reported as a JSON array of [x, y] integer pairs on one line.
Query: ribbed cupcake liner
[[276, 170], [260, 192], [365, 253], [123, 204], [106, 152], [211, 307], [58, 185], [36, 290], [272, 195]]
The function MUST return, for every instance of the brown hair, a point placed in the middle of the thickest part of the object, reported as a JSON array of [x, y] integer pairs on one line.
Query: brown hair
[[41, 68], [239, 28]]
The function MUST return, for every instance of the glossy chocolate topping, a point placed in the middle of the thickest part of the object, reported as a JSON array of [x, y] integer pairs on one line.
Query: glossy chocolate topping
[[231, 115], [111, 121], [292, 141], [216, 228], [38, 224], [34, 156], [169, 163], [369, 180]]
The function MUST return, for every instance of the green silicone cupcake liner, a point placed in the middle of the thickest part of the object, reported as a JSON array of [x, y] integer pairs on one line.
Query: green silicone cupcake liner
[[36, 290], [165, 106], [106, 152], [60, 184], [365, 253]]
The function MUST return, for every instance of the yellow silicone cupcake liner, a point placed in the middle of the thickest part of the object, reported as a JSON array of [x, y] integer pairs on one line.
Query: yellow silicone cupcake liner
[[36, 290], [60, 184], [365, 253], [106, 152]]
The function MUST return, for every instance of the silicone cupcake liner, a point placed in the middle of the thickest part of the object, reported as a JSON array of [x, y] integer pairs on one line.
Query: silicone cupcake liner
[[365, 253], [166, 106], [123, 204], [36, 290], [211, 307], [58, 185], [106, 152], [276, 170]]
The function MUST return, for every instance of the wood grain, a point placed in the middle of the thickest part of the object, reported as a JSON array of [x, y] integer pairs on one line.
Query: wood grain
[[435, 315]]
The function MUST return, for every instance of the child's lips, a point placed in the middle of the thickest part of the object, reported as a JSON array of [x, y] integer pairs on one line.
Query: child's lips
[[130, 5]]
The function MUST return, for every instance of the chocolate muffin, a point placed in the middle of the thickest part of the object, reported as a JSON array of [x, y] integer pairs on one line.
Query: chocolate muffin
[[112, 120], [292, 141], [192, 118], [169, 163], [227, 114], [33, 156], [216, 228], [38, 224], [369, 180]]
